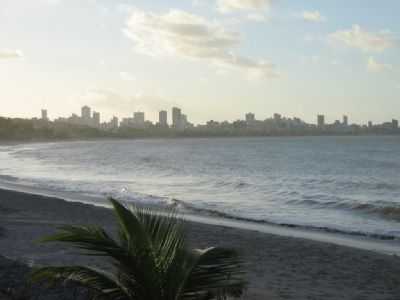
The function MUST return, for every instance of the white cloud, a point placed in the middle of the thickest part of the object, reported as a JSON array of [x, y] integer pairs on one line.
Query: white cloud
[[116, 103], [10, 54], [311, 60], [126, 76], [198, 3], [335, 62], [356, 37], [52, 2], [257, 17], [313, 16], [227, 6], [124, 8], [376, 67], [183, 34]]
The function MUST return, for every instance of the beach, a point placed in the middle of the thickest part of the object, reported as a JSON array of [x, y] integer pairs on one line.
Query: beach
[[278, 267]]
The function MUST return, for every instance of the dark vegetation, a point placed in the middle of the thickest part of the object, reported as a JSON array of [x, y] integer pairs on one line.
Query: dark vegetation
[[23, 129], [37, 130]]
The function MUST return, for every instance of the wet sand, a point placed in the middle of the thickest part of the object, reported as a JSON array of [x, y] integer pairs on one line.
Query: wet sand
[[278, 267]]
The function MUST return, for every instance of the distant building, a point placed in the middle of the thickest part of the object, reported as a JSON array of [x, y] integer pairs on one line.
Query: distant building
[[110, 126], [277, 117], [369, 124], [250, 118], [126, 122], [183, 120], [44, 115], [395, 124], [345, 120], [86, 113], [163, 118], [176, 117], [114, 123], [321, 121], [138, 120], [96, 119], [138, 117]]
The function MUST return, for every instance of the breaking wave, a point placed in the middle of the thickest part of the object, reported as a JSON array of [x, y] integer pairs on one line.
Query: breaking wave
[[219, 214]]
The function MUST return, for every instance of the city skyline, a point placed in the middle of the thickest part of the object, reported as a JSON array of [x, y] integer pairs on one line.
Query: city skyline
[[176, 119], [213, 58]]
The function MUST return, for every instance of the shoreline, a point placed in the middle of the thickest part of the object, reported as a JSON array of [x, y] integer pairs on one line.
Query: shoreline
[[13, 142], [390, 246], [279, 267]]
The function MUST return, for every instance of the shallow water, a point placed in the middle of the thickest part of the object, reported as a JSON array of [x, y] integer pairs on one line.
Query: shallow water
[[344, 184]]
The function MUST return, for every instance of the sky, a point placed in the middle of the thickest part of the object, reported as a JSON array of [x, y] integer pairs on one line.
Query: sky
[[216, 59]]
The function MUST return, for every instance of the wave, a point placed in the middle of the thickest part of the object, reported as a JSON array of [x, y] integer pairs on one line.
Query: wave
[[161, 202], [8, 178], [352, 184], [388, 211], [219, 214], [384, 209], [238, 184]]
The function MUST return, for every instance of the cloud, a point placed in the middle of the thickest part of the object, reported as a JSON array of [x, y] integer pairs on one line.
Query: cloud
[[116, 103], [198, 3], [356, 37], [376, 67], [313, 16], [311, 60], [53, 2], [10, 54], [126, 76], [257, 17], [227, 6], [178, 33]]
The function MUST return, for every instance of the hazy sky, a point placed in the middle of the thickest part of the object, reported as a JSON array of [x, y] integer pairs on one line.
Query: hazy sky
[[217, 59]]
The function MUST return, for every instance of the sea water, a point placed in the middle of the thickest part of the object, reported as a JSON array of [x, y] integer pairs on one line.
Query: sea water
[[340, 184]]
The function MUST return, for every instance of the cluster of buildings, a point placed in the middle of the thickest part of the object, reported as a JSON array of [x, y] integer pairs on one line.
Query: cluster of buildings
[[138, 121], [344, 125], [87, 118], [179, 122]]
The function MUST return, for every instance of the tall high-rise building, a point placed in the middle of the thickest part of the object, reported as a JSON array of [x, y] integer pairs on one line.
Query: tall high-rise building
[[44, 115], [138, 118], [163, 118], [250, 117], [96, 119], [369, 124], [183, 120], [176, 117], [345, 120], [395, 124], [114, 123], [321, 120], [86, 113]]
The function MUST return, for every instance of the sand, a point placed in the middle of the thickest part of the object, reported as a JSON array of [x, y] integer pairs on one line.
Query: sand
[[278, 267]]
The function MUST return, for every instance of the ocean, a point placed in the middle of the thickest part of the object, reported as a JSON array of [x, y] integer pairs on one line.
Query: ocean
[[348, 184]]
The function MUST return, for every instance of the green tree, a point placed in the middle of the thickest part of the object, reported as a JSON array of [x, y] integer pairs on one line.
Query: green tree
[[150, 261]]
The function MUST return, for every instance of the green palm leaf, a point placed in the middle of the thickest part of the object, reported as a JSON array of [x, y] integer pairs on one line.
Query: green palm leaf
[[149, 260], [104, 284]]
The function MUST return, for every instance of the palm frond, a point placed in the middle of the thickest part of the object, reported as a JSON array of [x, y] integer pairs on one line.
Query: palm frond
[[216, 272], [96, 242], [166, 234], [150, 260], [98, 281], [136, 238], [93, 239]]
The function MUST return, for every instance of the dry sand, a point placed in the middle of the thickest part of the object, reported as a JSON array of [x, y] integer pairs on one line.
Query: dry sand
[[278, 267]]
